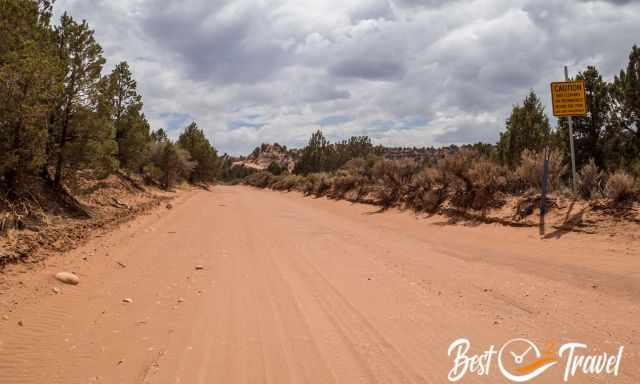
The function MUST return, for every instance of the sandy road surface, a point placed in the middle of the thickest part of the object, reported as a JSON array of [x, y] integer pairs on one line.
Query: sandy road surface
[[301, 290]]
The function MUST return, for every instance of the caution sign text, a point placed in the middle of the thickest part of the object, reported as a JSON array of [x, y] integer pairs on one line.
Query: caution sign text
[[569, 98]]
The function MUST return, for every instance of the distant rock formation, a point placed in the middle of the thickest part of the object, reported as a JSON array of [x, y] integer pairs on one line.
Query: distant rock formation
[[264, 155]]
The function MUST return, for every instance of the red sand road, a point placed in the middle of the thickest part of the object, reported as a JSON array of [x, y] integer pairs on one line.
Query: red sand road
[[303, 290]]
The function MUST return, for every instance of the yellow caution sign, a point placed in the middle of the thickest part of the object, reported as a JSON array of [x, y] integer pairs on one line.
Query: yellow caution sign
[[569, 98]]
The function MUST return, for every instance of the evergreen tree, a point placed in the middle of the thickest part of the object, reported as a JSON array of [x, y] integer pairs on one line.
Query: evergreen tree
[[626, 110], [131, 126], [355, 146], [275, 168], [159, 136], [81, 136], [315, 155], [590, 132], [170, 165], [321, 156], [202, 153], [527, 128], [28, 72]]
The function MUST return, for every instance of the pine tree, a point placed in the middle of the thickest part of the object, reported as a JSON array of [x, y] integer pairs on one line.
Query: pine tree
[[590, 132], [202, 153], [159, 136], [131, 126], [82, 132], [28, 72], [626, 109], [314, 155], [170, 165], [527, 128]]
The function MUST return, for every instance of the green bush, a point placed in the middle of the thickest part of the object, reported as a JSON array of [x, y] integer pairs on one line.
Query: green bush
[[275, 168]]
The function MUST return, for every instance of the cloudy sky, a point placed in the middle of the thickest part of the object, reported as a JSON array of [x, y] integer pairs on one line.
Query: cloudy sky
[[404, 72]]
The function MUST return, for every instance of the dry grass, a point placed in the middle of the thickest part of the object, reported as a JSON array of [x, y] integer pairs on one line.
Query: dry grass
[[464, 179], [590, 180], [288, 182], [531, 170], [317, 184], [393, 176], [620, 186], [260, 179]]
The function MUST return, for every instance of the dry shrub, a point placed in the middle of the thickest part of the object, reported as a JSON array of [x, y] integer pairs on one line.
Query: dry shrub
[[395, 172], [620, 186], [317, 184], [361, 166], [531, 169], [355, 166], [429, 201], [427, 190], [21, 213], [393, 176], [458, 163], [488, 179], [487, 175], [455, 172], [288, 182], [260, 179], [590, 180], [473, 181], [345, 182]]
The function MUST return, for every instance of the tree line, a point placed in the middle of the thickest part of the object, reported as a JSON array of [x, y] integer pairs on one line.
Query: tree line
[[607, 145], [607, 137], [59, 114], [322, 156]]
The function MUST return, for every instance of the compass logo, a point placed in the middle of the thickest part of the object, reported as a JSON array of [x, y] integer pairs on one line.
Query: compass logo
[[520, 360]]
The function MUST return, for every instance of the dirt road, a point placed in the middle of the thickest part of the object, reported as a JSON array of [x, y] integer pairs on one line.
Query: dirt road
[[303, 290]]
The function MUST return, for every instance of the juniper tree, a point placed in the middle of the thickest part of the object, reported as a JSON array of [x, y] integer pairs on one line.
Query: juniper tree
[[626, 109], [28, 72], [591, 131], [159, 136], [169, 163], [527, 128], [315, 155], [202, 153], [82, 132], [131, 126]]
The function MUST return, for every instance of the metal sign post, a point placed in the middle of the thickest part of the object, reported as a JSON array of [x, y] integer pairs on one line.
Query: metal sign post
[[545, 183], [569, 99], [573, 151]]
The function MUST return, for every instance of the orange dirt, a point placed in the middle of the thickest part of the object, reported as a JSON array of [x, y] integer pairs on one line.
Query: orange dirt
[[297, 290]]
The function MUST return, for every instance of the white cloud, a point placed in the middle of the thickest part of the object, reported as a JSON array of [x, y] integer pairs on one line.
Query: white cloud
[[405, 72]]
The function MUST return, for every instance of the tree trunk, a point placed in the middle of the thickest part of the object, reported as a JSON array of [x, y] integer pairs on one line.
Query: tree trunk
[[12, 175], [57, 181], [51, 124], [11, 178]]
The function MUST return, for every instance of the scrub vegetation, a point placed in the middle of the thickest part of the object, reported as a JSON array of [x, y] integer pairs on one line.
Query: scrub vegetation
[[481, 176]]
